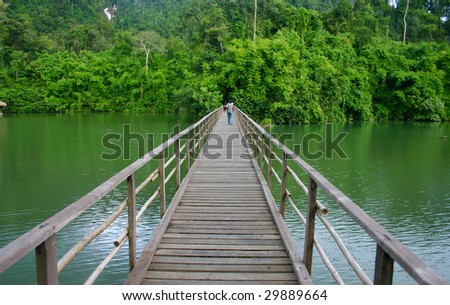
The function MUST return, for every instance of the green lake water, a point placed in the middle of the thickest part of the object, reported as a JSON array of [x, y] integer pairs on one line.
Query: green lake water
[[397, 172]]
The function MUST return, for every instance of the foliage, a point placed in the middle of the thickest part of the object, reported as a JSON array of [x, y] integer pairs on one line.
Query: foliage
[[312, 61]]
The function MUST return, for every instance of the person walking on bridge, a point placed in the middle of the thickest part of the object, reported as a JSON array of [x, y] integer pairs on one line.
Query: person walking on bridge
[[230, 111]]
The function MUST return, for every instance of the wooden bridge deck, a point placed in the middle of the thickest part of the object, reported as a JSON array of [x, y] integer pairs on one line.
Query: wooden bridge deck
[[222, 226]]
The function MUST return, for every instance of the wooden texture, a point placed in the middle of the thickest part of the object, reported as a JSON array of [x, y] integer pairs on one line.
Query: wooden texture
[[384, 268], [310, 224], [412, 264], [131, 199], [219, 228], [46, 262], [26, 243]]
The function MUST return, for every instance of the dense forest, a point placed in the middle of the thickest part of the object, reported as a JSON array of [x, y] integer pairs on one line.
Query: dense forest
[[297, 61]]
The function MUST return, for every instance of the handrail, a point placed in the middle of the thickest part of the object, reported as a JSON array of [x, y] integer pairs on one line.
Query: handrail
[[389, 249], [42, 238]]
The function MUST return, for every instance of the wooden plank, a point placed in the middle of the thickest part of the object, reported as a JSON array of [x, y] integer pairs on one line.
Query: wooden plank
[[218, 240], [221, 260], [413, 265], [221, 276], [136, 275], [301, 272], [222, 230], [222, 209], [221, 253], [213, 282], [223, 217], [225, 201], [226, 195], [221, 268], [212, 237], [221, 246], [260, 225]]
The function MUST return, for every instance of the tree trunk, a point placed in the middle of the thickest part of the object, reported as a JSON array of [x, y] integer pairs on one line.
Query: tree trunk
[[404, 22], [254, 21], [147, 53]]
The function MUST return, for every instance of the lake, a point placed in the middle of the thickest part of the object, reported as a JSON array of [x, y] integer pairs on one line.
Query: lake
[[397, 172]]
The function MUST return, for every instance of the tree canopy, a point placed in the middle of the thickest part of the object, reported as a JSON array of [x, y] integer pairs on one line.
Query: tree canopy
[[311, 61]]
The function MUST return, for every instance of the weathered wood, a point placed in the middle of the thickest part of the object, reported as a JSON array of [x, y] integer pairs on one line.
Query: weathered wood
[[283, 186], [188, 152], [26, 243], [222, 260], [218, 240], [178, 163], [268, 268], [131, 199], [227, 238], [299, 268], [91, 279], [222, 222], [137, 274], [223, 217], [211, 230], [46, 262], [384, 268], [224, 276], [310, 224], [162, 185], [413, 265], [213, 282], [270, 166], [221, 246]]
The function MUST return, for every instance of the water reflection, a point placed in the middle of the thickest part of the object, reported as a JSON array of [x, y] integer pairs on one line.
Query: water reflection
[[398, 173]]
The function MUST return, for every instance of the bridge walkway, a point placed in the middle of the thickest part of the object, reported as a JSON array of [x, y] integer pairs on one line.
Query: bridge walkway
[[222, 226]]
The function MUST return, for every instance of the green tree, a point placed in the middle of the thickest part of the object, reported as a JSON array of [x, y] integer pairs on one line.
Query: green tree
[[150, 41]]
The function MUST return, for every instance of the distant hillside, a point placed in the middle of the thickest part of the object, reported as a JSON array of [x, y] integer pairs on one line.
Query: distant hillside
[[311, 61]]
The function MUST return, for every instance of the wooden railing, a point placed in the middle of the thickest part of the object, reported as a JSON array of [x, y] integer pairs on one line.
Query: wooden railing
[[181, 148], [388, 249]]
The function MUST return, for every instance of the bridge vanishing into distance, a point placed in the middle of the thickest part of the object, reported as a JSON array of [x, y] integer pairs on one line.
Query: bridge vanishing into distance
[[223, 224]]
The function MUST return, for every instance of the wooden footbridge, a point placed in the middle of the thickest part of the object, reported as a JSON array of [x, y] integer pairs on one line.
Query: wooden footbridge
[[223, 224]]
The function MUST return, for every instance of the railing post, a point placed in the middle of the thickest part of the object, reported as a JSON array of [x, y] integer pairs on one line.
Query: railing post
[[194, 144], [201, 134], [310, 223], [188, 151], [262, 161], [270, 166], [177, 163], [283, 185], [131, 199], [46, 262], [384, 268], [162, 185]]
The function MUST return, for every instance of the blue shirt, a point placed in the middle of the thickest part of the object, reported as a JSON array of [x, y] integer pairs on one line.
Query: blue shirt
[[230, 107]]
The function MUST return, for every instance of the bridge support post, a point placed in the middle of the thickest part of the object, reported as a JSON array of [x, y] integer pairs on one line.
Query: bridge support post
[[310, 223], [162, 185], [270, 166], [194, 143], [131, 221], [283, 185], [46, 262], [202, 135], [262, 161], [188, 151], [177, 164], [384, 268]]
